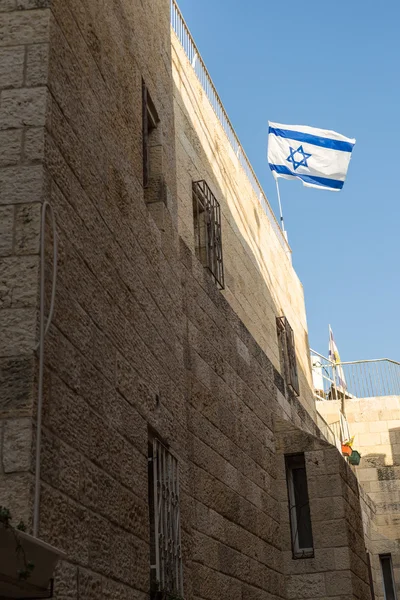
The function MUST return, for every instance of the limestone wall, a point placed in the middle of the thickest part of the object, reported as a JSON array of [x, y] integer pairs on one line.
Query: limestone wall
[[375, 422], [24, 47], [339, 565], [261, 283], [142, 340]]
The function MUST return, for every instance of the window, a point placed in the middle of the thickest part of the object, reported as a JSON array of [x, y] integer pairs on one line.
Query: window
[[165, 536], [207, 231], [288, 354], [370, 577], [150, 121], [387, 575], [299, 507]]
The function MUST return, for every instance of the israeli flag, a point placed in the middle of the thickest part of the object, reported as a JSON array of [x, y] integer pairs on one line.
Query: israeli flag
[[319, 157]]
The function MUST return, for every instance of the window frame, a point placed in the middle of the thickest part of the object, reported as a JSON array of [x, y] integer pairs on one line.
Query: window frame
[[164, 499], [292, 462], [205, 203], [382, 557], [370, 576], [150, 121], [287, 350]]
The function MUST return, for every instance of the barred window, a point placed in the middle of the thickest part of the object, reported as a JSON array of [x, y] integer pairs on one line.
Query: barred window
[[287, 351], [207, 231], [299, 507], [164, 512]]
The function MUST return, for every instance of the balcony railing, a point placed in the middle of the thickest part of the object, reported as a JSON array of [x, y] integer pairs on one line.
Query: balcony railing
[[185, 38], [363, 378], [331, 433]]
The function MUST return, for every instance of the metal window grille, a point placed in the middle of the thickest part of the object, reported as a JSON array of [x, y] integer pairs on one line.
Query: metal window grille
[[207, 231], [166, 556], [299, 506], [288, 353]]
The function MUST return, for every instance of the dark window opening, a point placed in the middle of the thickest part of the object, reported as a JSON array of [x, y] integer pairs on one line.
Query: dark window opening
[[207, 231], [387, 575], [370, 577], [287, 350], [299, 507], [150, 121]]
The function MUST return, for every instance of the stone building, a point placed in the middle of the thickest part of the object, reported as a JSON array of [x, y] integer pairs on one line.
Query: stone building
[[158, 423], [375, 424]]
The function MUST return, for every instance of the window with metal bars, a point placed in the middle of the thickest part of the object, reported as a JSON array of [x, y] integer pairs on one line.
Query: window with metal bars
[[388, 577], [207, 231], [287, 352], [299, 506], [164, 513]]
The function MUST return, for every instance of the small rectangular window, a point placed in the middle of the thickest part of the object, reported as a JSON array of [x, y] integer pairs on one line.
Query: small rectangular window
[[164, 514], [387, 575], [370, 577], [207, 231], [150, 121], [299, 507], [287, 351]]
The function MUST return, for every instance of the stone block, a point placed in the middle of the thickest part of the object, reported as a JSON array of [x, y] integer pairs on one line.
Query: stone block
[[31, 4], [20, 185], [34, 144], [89, 585], [367, 474], [338, 583], [16, 384], [129, 559], [10, 146], [378, 426], [18, 281], [23, 107], [6, 229], [17, 443], [310, 585], [330, 534], [15, 494], [7, 5], [113, 590], [324, 509], [11, 66], [27, 228], [66, 581], [17, 331], [24, 27], [68, 416]]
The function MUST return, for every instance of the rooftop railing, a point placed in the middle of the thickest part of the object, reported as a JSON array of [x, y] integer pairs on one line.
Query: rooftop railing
[[188, 44], [363, 378]]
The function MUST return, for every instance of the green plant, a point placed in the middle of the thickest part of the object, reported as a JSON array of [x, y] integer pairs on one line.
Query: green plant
[[27, 565]]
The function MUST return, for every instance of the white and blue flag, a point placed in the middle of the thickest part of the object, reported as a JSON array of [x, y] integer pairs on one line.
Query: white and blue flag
[[319, 157]]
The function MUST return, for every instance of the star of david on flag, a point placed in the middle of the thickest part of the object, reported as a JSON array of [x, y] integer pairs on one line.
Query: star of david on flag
[[319, 157], [299, 152]]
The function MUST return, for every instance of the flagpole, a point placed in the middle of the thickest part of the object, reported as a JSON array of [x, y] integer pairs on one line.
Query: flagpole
[[280, 207]]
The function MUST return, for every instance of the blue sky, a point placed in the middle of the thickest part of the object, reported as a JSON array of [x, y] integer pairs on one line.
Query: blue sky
[[333, 65]]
